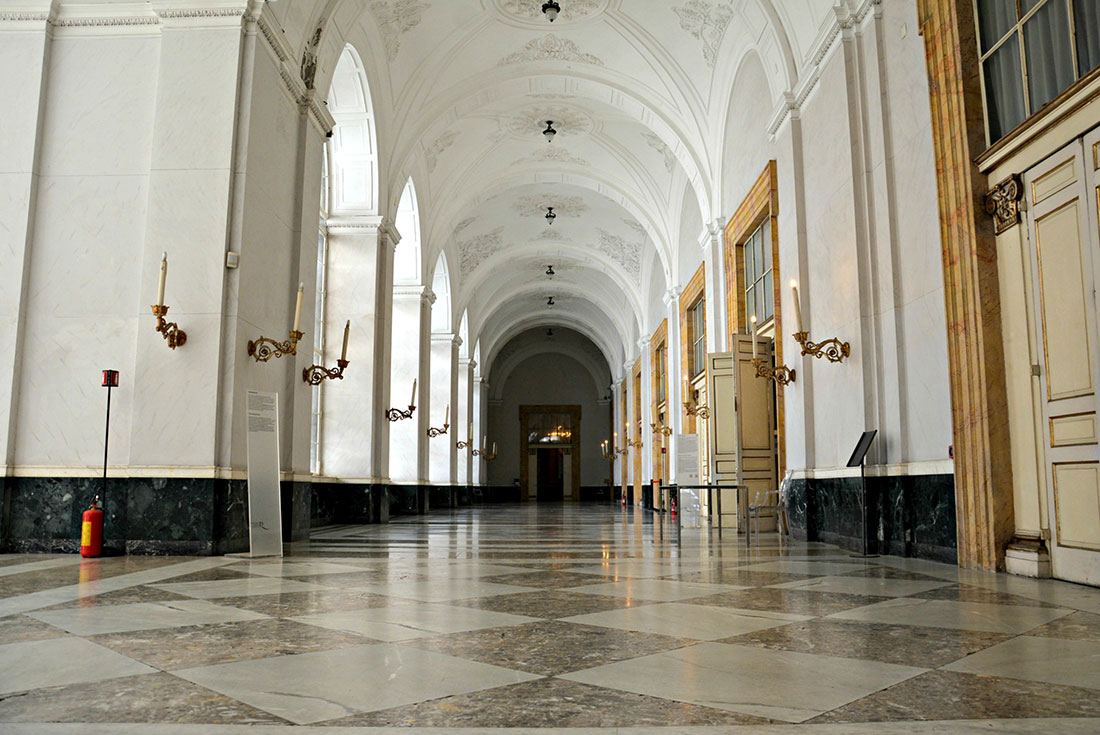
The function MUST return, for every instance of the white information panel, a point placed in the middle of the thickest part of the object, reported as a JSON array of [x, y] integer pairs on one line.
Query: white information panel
[[687, 459], [687, 473], [265, 516]]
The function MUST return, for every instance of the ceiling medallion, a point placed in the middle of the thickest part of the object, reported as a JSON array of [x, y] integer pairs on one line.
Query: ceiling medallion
[[567, 121], [534, 14], [549, 132], [550, 216]]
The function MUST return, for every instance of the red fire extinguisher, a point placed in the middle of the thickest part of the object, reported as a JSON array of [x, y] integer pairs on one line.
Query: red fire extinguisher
[[91, 531]]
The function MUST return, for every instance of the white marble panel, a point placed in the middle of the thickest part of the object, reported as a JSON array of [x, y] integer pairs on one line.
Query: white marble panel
[[59, 662], [872, 586], [955, 615], [100, 619], [313, 687], [662, 590], [442, 590], [698, 622], [21, 55], [1048, 660], [225, 588], [407, 621]]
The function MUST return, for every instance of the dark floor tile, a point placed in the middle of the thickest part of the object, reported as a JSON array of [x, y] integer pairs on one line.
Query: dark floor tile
[[550, 647], [891, 573], [360, 577], [153, 698], [126, 596], [549, 579], [798, 602], [90, 570], [907, 645], [967, 593], [1078, 626], [550, 604], [737, 576], [945, 695], [548, 703], [20, 628], [216, 574], [205, 645], [295, 604]]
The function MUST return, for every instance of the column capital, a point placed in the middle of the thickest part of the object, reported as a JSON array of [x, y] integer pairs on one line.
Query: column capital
[[414, 291], [643, 343], [672, 295], [440, 337]]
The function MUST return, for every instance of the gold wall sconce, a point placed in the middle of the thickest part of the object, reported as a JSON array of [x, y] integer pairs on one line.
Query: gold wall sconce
[[637, 444], [832, 349], [395, 414], [484, 453], [433, 432], [317, 374], [781, 374], [609, 454], [263, 349], [661, 430], [171, 331], [469, 442], [691, 408]]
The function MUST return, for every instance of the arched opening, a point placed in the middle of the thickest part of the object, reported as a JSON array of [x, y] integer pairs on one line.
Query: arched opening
[[444, 378], [411, 329], [463, 415]]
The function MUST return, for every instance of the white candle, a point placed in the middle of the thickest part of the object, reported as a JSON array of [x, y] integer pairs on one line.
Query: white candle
[[484, 443], [344, 353], [298, 307], [797, 307], [447, 416], [412, 401], [163, 279], [753, 320], [470, 434], [494, 449]]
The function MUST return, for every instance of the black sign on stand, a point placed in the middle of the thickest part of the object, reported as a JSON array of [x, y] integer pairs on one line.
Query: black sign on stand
[[110, 380], [859, 459]]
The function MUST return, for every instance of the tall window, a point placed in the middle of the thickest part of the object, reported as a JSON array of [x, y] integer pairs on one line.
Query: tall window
[[698, 337], [659, 374], [1031, 51], [759, 299], [319, 317]]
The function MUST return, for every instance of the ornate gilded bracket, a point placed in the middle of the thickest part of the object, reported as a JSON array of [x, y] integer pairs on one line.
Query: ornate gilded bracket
[[397, 415], [317, 374], [661, 430], [1003, 203], [781, 374], [466, 445], [699, 411], [171, 331], [263, 349], [434, 432], [832, 350]]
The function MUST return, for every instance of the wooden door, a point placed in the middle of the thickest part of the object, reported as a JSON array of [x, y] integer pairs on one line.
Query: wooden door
[[1064, 233], [741, 425]]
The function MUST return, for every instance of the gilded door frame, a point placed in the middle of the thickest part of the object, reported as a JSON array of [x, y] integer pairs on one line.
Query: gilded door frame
[[573, 450]]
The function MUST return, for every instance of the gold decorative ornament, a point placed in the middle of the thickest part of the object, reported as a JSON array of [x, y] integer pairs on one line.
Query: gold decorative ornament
[[263, 349], [700, 411], [781, 374], [171, 331], [317, 374], [1002, 202], [662, 430], [465, 444], [397, 415], [832, 350], [434, 432]]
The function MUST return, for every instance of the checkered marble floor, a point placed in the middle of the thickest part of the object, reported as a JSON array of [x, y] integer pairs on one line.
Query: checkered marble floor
[[562, 618]]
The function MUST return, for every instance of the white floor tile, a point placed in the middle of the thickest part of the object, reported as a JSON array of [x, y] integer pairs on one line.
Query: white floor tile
[[86, 621], [59, 662], [688, 621], [781, 685], [442, 589], [405, 622], [239, 587], [1049, 660], [660, 590], [873, 586], [314, 687], [957, 615]]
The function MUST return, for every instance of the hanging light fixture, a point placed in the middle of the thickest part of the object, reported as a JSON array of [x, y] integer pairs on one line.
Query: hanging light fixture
[[550, 216], [549, 132], [550, 9], [550, 301], [549, 332], [550, 271]]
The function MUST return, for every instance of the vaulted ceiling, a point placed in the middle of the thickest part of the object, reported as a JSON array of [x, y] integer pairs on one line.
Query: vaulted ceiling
[[639, 92]]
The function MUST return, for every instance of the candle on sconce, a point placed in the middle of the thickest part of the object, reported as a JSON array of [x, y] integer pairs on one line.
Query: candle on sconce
[[494, 449], [412, 401], [344, 353], [797, 306], [163, 278], [484, 443], [753, 320], [447, 416], [298, 307], [470, 433]]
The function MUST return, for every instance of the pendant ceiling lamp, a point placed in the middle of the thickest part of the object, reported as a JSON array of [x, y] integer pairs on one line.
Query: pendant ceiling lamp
[[550, 271], [549, 132], [550, 301], [551, 9], [550, 216]]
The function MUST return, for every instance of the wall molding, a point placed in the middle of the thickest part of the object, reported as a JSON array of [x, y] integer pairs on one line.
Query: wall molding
[[900, 469]]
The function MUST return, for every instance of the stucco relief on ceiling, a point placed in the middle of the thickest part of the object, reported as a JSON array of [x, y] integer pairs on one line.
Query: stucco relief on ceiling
[[556, 154], [626, 254], [531, 205], [568, 121], [661, 147], [395, 19], [550, 234], [530, 11], [477, 250], [550, 48], [706, 21], [436, 149]]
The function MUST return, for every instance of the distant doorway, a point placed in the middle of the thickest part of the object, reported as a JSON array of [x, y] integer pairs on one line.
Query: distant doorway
[[550, 475], [550, 443]]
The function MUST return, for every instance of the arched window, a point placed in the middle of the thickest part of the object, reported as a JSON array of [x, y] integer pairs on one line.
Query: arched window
[[354, 187], [405, 357]]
